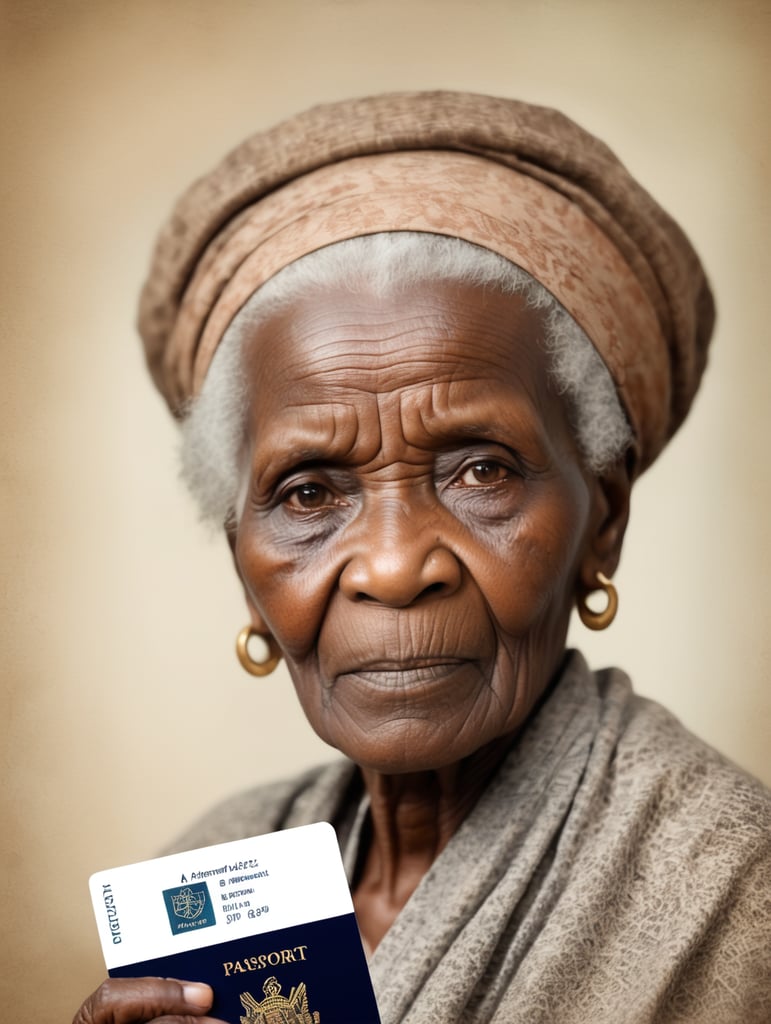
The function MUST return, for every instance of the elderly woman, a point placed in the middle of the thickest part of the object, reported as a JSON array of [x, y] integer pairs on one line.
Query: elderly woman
[[422, 345]]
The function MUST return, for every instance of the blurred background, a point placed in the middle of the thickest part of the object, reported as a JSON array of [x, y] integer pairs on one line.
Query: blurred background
[[124, 712]]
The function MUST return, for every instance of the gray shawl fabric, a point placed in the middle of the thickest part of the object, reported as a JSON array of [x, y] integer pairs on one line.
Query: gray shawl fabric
[[616, 870]]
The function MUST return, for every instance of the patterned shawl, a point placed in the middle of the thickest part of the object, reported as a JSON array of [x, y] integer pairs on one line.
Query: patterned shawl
[[616, 870]]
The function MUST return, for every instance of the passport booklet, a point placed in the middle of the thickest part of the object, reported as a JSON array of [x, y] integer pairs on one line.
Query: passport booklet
[[268, 922]]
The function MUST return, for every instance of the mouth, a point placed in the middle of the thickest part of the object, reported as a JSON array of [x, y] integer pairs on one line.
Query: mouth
[[405, 672], [406, 664]]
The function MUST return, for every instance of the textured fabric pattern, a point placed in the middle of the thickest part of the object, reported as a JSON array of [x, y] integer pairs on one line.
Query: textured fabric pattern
[[616, 870], [540, 190]]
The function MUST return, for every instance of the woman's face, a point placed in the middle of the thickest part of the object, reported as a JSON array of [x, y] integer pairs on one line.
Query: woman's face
[[416, 517]]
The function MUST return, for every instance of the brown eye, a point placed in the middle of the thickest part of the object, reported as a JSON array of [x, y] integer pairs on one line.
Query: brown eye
[[483, 472], [309, 496]]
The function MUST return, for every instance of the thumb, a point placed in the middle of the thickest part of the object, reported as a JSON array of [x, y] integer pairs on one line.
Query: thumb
[[138, 1000]]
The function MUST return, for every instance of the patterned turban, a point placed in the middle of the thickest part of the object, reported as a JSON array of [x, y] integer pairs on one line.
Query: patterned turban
[[521, 180]]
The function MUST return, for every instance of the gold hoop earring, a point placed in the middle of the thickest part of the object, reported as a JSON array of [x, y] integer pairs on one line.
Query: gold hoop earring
[[257, 668], [599, 620]]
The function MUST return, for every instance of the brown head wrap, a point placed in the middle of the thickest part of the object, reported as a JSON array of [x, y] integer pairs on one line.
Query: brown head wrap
[[521, 180]]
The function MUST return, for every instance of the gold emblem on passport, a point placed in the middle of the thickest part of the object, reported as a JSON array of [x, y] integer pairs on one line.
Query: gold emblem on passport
[[277, 1009]]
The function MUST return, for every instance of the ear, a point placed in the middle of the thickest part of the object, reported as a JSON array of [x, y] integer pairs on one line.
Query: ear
[[256, 619], [610, 515]]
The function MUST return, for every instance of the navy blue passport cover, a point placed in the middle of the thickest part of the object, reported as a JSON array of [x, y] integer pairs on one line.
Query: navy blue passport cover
[[314, 973]]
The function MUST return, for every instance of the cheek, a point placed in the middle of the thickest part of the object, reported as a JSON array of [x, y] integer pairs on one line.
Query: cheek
[[526, 571], [290, 591]]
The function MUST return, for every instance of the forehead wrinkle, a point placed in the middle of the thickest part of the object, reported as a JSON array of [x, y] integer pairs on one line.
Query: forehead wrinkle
[[366, 338], [365, 348], [332, 355], [312, 432], [372, 325]]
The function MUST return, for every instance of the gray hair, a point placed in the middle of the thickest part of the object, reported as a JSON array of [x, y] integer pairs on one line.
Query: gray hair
[[213, 432]]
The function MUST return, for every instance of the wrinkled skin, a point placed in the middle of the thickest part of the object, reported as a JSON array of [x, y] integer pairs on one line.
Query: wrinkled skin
[[416, 519], [416, 523]]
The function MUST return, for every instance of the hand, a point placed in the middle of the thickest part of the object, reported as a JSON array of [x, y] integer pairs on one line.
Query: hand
[[147, 1001]]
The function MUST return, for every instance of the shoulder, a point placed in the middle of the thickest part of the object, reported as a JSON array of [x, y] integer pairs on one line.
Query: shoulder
[[648, 777], [684, 781], [693, 834], [687, 812], [311, 796]]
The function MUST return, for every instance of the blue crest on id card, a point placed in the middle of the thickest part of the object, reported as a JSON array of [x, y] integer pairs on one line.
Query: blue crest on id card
[[189, 907]]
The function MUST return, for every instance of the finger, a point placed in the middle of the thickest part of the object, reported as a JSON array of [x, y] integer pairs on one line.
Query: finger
[[140, 1000]]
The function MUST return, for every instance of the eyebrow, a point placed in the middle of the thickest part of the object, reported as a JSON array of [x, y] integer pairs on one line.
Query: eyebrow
[[333, 436], [485, 418]]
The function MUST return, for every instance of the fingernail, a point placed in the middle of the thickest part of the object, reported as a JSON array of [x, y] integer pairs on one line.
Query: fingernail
[[197, 995]]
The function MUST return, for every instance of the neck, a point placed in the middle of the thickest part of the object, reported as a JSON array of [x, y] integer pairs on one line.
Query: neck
[[413, 817]]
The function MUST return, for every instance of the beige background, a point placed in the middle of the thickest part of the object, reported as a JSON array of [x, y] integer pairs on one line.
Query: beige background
[[123, 708]]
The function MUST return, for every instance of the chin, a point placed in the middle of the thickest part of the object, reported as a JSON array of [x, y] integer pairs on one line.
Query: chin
[[406, 748]]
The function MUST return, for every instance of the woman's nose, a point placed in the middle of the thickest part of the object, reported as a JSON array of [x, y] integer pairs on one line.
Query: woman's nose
[[398, 560]]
